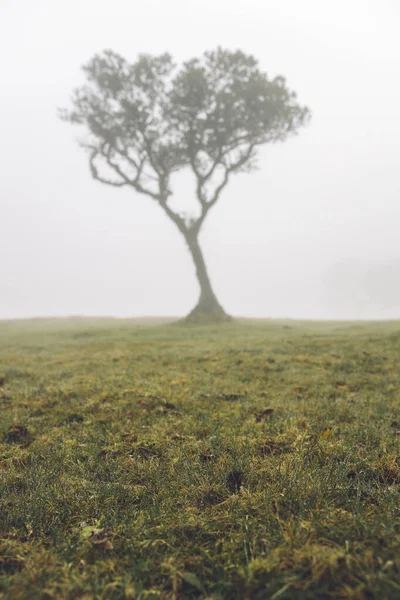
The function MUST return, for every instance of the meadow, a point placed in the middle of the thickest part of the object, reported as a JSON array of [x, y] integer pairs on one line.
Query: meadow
[[144, 459]]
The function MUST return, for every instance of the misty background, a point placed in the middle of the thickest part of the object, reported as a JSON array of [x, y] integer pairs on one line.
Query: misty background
[[313, 234]]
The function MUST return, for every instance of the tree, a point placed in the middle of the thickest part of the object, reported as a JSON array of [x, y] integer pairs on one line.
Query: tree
[[148, 119]]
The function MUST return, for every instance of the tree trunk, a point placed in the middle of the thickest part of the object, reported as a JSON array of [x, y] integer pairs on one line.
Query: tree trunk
[[207, 308]]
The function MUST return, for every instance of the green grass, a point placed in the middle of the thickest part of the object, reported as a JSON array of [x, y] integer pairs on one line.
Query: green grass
[[250, 460]]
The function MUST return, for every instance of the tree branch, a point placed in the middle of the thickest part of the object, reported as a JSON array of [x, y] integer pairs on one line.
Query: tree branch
[[243, 158], [149, 151], [202, 179], [125, 154], [179, 222], [95, 173], [135, 183], [228, 170], [222, 153]]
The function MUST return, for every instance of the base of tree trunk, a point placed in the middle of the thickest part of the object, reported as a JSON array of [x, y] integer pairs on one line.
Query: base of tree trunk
[[207, 311]]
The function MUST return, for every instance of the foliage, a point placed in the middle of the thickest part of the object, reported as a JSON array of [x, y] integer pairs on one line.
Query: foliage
[[148, 119], [250, 460]]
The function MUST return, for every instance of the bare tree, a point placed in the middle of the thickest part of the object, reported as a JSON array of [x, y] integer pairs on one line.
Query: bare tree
[[148, 119]]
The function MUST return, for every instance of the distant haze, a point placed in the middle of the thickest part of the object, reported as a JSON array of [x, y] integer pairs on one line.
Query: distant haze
[[315, 233]]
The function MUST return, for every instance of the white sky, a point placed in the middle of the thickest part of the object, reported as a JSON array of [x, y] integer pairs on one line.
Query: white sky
[[313, 234]]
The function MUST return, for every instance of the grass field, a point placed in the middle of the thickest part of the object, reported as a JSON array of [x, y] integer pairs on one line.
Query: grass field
[[254, 460]]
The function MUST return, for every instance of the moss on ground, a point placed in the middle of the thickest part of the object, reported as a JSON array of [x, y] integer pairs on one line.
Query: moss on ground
[[247, 460]]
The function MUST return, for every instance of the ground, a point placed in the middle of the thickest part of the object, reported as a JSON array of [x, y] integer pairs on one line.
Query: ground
[[246, 460]]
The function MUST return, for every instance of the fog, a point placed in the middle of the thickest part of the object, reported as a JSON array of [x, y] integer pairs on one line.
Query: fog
[[314, 233]]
